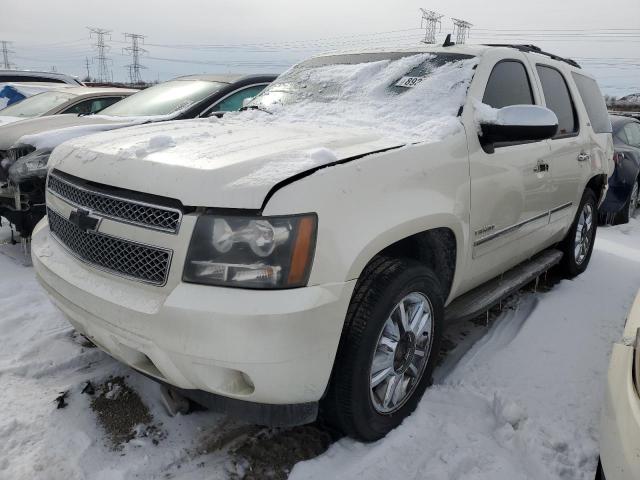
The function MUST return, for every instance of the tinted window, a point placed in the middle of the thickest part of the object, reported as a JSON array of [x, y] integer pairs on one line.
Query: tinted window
[[508, 85], [594, 103], [92, 106], [234, 101], [558, 99], [632, 132]]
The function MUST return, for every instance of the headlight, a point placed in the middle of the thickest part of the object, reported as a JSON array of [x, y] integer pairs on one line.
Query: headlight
[[251, 252], [31, 165]]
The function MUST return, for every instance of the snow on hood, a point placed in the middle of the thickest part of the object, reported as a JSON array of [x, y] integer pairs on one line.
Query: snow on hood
[[231, 163]]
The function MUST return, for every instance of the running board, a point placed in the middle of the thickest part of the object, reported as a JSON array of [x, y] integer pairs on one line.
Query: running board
[[482, 298]]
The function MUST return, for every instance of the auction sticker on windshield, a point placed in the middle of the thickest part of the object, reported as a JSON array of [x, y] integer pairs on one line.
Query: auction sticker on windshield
[[409, 81]]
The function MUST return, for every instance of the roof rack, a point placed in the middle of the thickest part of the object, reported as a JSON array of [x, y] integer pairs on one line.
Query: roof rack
[[535, 49]]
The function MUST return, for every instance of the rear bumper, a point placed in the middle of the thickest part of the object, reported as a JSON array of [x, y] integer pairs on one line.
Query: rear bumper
[[620, 421], [271, 347]]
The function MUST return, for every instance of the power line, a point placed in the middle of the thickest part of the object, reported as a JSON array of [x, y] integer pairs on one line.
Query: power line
[[430, 22], [135, 51], [5, 54], [104, 74]]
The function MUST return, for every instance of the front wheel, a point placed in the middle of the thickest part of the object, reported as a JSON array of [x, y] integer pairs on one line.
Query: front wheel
[[577, 246], [388, 349]]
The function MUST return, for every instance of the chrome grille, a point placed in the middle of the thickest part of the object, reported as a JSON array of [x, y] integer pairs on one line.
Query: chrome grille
[[121, 209], [122, 257], [19, 152]]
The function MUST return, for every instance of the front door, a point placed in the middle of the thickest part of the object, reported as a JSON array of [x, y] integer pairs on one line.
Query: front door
[[510, 183]]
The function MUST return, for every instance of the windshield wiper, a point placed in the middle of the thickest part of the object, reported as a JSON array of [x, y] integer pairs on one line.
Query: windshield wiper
[[255, 107]]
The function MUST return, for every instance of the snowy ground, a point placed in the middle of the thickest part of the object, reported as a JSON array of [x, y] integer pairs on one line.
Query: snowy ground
[[520, 402]]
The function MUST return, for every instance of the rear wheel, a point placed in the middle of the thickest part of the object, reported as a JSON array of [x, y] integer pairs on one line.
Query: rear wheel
[[388, 349], [577, 246], [629, 209]]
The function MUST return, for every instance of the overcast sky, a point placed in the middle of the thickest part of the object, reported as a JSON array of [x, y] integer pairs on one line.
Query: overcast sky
[[193, 36]]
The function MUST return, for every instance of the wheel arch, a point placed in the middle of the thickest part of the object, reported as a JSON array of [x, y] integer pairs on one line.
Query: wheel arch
[[438, 247], [598, 185]]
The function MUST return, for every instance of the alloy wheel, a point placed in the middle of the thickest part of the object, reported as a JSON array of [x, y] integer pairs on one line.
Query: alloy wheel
[[584, 234], [402, 353]]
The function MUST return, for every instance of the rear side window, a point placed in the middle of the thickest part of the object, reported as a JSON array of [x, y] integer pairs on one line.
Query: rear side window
[[508, 85], [92, 106], [594, 103], [558, 99], [632, 132]]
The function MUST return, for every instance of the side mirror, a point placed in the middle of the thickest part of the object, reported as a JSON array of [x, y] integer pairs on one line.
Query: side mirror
[[519, 123]]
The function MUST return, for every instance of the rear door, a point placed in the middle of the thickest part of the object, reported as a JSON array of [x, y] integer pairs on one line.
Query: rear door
[[598, 127], [567, 149]]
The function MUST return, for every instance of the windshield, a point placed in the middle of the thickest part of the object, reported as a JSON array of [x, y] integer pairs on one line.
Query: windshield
[[37, 105], [404, 92], [163, 99]]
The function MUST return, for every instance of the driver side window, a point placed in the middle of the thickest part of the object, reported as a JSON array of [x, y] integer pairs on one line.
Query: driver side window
[[508, 85]]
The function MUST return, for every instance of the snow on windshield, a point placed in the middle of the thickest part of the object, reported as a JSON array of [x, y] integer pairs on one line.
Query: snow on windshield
[[416, 97]]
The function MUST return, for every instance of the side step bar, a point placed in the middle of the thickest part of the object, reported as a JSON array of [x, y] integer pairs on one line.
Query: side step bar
[[482, 298]]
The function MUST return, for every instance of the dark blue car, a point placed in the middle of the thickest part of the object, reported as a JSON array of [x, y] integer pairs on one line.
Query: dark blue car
[[622, 198]]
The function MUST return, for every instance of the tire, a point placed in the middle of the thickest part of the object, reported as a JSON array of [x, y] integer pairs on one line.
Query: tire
[[629, 209], [575, 262], [367, 350]]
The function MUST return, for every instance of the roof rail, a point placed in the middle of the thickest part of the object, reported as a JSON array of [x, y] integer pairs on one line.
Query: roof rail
[[535, 49]]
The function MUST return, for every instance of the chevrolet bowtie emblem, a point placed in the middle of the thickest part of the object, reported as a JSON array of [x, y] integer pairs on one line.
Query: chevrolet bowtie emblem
[[84, 221]]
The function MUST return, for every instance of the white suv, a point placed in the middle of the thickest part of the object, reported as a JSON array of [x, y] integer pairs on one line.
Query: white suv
[[305, 254]]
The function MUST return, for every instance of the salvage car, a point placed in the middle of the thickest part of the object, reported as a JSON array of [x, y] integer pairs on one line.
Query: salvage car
[[620, 417], [304, 255], [622, 199], [73, 100], [25, 146]]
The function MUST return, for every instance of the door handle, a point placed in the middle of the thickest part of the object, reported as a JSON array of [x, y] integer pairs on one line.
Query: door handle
[[541, 167], [584, 157]]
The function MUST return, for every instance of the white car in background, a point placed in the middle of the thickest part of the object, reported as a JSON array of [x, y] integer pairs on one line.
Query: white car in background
[[61, 100], [620, 420]]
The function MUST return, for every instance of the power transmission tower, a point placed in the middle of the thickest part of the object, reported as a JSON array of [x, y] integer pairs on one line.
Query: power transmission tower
[[104, 74], [430, 22], [461, 30], [5, 54], [86, 64], [135, 51]]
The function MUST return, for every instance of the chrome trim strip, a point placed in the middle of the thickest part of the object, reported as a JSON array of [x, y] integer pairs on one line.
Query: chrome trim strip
[[107, 270], [561, 207], [519, 225], [121, 199]]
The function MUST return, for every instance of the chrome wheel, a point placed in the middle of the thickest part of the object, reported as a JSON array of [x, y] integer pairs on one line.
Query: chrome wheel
[[584, 234], [633, 200], [402, 353]]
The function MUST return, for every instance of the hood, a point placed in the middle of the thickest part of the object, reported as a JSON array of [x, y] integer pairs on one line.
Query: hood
[[11, 133], [211, 163], [5, 120]]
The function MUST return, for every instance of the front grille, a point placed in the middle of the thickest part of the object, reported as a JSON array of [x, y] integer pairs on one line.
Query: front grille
[[121, 209], [118, 256]]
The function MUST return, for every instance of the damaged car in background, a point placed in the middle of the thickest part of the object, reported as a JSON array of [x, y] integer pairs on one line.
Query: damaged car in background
[[25, 146], [306, 254]]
